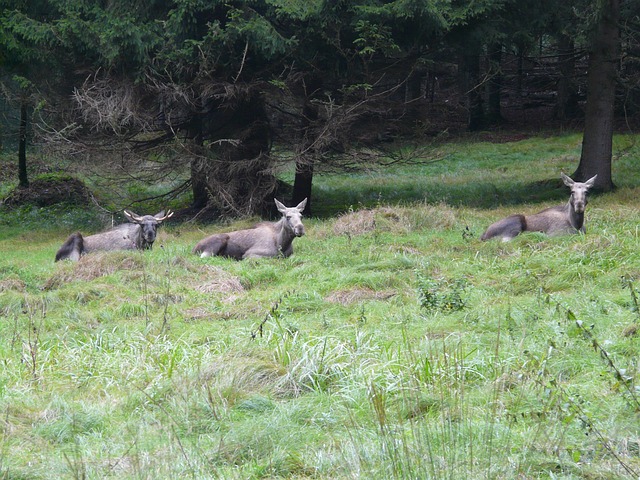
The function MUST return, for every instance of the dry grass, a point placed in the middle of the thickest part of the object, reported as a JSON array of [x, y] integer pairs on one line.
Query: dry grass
[[366, 221], [398, 220], [238, 376], [355, 223], [14, 284], [354, 295], [434, 217], [216, 280], [93, 266]]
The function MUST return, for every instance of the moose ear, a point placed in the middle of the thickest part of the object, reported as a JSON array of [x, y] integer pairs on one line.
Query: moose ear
[[301, 205], [567, 181], [589, 183], [280, 206], [161, 217]]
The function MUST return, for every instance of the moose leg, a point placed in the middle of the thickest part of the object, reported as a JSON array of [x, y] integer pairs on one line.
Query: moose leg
[[256, 254], [266, 252], [211, 246]]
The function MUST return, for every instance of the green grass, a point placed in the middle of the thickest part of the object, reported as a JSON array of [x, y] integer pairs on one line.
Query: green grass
[[392, 344]]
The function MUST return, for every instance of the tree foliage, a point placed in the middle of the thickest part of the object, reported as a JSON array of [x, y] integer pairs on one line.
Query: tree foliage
[[211, 85]]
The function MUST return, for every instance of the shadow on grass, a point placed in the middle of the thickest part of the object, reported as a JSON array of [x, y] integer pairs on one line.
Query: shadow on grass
[[327, 202], [482, 195]]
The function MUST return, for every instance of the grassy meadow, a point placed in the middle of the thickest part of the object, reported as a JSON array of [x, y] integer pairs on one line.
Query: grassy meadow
[[392, 344]]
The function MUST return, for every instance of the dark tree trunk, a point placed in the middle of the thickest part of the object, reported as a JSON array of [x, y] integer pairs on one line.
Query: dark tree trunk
[[470, 73], [198, 165], [601, 85], [567, 100], [494, 86], [302, 185], [239, 178], [414, 85], [631, 104], [413, 92], [520, 75], [198, 184], [430, 88], [23, 180], [305, 158]]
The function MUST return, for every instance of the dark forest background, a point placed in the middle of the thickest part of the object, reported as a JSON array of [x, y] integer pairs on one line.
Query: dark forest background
[[224, 94]]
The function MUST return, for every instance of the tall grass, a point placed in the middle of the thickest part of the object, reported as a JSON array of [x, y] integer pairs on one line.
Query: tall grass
[[392, 344]]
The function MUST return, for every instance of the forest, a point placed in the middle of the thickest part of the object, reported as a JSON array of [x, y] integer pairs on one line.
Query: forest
[[221, 95]]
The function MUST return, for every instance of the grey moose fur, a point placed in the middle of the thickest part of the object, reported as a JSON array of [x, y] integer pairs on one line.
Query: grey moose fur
[[559, 220], [266, 239], [139, 234]]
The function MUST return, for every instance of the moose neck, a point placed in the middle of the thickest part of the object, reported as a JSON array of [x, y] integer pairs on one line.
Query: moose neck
[[139, 240], [285, 234], [576, 219]]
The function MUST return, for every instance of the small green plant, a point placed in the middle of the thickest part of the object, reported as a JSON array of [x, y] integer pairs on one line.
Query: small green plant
[[35, 321], [441, 294], [272, 314], [76, 463], [623, 381], [628, 283]]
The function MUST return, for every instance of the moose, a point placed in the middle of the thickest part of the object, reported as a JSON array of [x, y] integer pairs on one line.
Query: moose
[[558, 220], [139, 234], [266, 239]]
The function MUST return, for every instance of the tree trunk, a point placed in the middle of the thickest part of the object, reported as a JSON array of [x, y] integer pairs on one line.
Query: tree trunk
[[239, 177], [470, 72], [414, 85], [198, 165], [305, 160], [23, 180], [413, 92], [494, 86], [601, 85], [198, 184], [302, 185], [520, 76], [567, 100]]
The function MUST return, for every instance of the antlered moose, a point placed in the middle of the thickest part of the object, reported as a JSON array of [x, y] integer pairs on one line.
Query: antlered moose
[[266, 239], [139, 234], [558, 220]]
